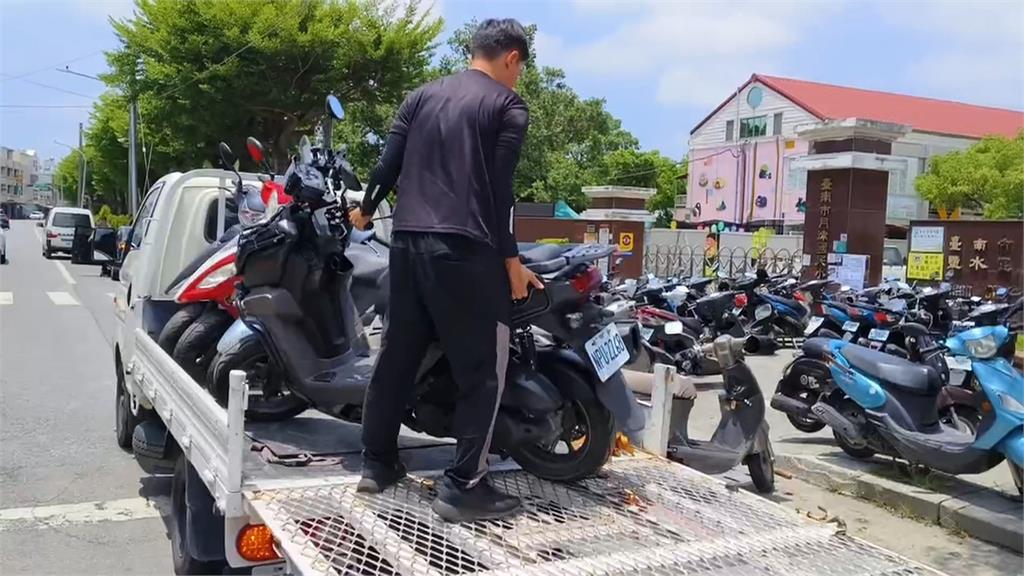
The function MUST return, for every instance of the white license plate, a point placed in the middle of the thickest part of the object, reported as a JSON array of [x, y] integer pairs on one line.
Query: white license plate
[[813, 325], [850, 326], [958, 363], [646, 333], [607, 352], [878, 335]]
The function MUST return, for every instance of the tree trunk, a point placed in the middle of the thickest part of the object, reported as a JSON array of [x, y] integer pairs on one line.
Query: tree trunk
[[281, 143]]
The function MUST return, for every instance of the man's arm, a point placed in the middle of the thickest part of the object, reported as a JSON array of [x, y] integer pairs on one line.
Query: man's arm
[[389, 166], [506, 158]]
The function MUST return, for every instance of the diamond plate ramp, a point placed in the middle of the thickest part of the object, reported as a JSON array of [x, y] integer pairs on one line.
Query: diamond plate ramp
[[641, 516]]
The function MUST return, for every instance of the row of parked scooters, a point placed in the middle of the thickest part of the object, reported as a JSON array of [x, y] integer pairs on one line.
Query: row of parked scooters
[[904, 371]]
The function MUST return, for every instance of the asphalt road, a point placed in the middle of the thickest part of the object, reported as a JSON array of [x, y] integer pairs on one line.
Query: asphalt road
[[71, 501]]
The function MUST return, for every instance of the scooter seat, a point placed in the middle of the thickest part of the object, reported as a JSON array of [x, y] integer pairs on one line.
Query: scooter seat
[[893, 371], [542, 253], [818, 348], [693, 324], [793, 304]]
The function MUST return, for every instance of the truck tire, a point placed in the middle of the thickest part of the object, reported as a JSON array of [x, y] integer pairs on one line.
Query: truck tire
[[198, 343], [125, 420], [176, 326], [181, 551]]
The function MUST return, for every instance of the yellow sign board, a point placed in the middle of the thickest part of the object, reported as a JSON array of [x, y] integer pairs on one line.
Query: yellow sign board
[[924, 266], [625, 242]]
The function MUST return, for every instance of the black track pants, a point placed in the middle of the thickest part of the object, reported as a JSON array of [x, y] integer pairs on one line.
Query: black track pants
[[454, 290]]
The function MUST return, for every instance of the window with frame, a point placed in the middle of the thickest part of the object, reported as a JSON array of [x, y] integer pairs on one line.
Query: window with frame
[[729, 130], [754, 127], [141, 224]]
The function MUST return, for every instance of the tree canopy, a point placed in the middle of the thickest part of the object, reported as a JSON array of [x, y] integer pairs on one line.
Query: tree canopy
[[212, 70], [988, 176]]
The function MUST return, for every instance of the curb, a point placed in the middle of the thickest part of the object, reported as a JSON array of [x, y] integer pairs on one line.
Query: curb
[[981, 513]]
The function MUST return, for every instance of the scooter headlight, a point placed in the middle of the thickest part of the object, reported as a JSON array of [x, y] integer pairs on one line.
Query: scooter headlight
[[984, 347], [763, 311], [1010, 403]]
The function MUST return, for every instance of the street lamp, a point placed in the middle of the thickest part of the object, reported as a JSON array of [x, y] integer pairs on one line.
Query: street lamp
[[85, 165]]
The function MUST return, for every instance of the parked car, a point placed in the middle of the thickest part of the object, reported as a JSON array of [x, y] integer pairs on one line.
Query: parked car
[[3, 246], [60, 228], [37, 215], [5, 221], [894, 264]]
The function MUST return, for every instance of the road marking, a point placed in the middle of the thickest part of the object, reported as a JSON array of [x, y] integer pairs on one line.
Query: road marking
[[110, 295], [83, 513], [62, 299], [39, 234], [64, 272], [6, 298]]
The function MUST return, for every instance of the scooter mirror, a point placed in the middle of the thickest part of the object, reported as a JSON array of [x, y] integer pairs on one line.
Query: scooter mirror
[[334, 108], [227, 157], [255, 148]]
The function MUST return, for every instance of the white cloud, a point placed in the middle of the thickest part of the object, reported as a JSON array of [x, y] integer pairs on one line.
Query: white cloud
[[686, 53], [104, 9], [979, 57]]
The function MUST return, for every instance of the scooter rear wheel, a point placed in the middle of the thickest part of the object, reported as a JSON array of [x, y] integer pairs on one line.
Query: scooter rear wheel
[[271, 401], [762, 472], [582, 449]]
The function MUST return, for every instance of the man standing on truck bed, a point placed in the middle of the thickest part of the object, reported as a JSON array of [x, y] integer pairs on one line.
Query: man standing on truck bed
[[453, 149]]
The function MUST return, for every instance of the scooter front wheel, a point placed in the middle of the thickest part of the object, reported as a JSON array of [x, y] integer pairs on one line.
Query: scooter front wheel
[[762, 471]]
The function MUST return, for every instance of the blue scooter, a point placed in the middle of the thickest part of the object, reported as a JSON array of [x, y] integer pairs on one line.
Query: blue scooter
[[885, 404]]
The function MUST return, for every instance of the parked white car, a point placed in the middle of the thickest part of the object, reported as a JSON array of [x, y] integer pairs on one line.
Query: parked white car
[[36, 215], [60, 228]]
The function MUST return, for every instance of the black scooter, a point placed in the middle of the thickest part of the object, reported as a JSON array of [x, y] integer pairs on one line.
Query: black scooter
[[742, 433]]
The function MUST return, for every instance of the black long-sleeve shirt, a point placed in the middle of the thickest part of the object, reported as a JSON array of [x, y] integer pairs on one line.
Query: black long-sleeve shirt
[[453, 150]]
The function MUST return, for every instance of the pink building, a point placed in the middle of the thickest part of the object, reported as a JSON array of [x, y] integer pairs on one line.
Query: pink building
[[746, 166]]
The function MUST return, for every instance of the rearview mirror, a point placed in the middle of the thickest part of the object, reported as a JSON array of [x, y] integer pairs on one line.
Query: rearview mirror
[[227, 157], [255, 148], [333, 107]]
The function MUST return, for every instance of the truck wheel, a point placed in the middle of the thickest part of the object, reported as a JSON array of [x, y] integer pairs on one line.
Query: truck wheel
[[176, 326], [181, 553], [125, 420], [47, 252], [198, 342]]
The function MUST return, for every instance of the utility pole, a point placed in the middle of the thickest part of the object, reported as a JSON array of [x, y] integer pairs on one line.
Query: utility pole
[[81, 179], [132, 171]]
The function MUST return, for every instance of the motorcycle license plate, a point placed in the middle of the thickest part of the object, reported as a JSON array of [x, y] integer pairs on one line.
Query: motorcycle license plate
[[850, 326], [958, 363], [878, 335], [646, 333], [607, 352], [813, 325]]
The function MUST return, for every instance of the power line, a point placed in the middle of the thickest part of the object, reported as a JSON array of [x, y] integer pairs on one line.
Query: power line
[[45, 68], [57, 88], [49, 106]]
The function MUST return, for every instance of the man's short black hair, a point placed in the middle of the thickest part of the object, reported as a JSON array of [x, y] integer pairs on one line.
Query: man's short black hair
[[494, 37]]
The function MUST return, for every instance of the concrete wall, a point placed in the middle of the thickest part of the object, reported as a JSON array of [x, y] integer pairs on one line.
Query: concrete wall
[[744, 240]]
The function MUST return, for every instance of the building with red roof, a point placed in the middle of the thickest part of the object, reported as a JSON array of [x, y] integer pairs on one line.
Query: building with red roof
[[745, 166]]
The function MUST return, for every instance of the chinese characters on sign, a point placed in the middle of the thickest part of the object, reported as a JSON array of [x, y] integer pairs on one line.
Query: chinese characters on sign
[[825, 208], [926, 239], [924, 266]]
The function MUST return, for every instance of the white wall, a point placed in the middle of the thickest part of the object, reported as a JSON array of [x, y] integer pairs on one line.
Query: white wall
[[744, 240], [712, 133]]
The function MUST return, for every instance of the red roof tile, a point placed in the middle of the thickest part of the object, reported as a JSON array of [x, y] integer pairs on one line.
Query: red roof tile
[[827, 101]]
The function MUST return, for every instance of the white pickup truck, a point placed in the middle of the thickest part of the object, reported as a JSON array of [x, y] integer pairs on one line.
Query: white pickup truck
[[278, 498]]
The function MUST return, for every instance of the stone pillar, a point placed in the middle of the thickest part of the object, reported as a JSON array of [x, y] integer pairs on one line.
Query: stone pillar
[[847, 190]]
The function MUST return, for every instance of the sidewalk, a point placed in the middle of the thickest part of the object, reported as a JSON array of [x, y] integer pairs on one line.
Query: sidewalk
[[984, 506]]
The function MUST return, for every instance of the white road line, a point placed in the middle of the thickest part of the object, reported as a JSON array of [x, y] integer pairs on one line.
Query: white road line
[[110, 295], [39, 234], [6, 298], [64, 272], [83, 513], [62, 299]]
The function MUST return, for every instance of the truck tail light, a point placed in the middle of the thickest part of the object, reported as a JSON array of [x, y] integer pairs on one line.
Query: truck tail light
[[256, 543], [51, 234]]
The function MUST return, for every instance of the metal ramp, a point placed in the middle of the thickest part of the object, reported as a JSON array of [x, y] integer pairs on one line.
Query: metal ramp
[[642, 516]]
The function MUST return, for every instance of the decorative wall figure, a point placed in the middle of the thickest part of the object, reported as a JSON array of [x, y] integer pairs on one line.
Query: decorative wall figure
[[719, 183], [764, 174], [696, 210], [761, 201], [801, 205], [702, 181], [721, 207]]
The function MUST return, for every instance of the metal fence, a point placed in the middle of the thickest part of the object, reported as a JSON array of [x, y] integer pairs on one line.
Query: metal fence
[[687, 261]]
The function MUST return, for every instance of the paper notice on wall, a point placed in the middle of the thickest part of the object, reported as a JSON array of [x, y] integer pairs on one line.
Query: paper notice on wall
[[849, 269], [924, 266], [926, 238]]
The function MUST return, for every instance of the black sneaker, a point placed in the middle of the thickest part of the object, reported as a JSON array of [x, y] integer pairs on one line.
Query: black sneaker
[[378, 477], [481, 502]]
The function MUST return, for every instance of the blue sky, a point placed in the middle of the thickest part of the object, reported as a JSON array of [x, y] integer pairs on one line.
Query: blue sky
[[661, 65]]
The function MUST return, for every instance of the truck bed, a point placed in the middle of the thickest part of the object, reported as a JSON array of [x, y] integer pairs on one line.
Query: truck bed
[[641, 515]]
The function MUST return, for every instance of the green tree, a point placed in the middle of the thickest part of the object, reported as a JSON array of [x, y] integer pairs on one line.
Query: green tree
[[212, 70], [649, 169], [988, 175], [569, 136], [67, 175]]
